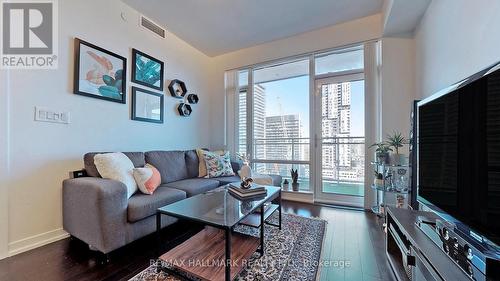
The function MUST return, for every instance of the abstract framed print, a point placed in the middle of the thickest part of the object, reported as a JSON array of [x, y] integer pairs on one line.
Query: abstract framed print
[[146, 70], [99, 73]]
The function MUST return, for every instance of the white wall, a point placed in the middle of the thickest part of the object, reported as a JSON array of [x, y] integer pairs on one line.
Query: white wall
[[326, 38], [42, 154], [4, 153], [398, 84], [455, 39]]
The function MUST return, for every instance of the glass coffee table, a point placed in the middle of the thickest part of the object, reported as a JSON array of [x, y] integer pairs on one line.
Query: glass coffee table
[[219, 210]]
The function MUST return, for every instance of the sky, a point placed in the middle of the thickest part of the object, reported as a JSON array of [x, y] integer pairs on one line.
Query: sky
[[291, 96]]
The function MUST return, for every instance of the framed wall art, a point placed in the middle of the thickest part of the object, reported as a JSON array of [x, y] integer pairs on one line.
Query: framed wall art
[[99, 73], [146, 70], [147, 106]]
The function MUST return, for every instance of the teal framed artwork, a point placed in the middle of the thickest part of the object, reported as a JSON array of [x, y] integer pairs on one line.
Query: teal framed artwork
[[147, 70]]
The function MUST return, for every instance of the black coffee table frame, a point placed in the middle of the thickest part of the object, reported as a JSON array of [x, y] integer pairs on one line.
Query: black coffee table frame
[[275, 199]]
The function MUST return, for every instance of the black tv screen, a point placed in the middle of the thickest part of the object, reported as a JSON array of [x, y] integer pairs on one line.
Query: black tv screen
[[459, 153]]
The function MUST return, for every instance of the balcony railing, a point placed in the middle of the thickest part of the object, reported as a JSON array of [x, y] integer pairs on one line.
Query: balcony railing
[[353, 159], [342, 161], [291, 145]]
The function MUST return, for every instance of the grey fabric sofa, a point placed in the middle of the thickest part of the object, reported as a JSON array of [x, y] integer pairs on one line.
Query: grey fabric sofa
[[97, 211]]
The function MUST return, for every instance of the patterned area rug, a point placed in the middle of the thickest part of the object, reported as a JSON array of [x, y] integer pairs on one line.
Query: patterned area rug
[[291, 254]]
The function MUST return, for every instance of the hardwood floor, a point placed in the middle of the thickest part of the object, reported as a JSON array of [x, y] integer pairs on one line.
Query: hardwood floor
[[352, 237], [209, 245]]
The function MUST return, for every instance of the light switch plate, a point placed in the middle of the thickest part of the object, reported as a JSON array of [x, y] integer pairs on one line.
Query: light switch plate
[[44, 114]]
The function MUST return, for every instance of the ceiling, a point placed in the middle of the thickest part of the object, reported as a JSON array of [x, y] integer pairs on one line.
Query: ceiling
[[403, 16], [216, 27]]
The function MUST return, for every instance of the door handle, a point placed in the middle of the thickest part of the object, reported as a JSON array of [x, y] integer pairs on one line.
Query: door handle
[[410, 260]]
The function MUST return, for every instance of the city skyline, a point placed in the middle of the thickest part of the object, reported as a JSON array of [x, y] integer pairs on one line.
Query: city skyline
[[281, 112], [291, 96]]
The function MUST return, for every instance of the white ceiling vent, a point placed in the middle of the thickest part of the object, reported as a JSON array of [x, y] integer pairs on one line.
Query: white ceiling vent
[[152, 26]]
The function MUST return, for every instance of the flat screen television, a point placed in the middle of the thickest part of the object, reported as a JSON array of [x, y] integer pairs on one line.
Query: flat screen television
[[459, 154]]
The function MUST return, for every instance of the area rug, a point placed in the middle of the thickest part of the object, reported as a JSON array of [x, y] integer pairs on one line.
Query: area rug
[[292, 253]]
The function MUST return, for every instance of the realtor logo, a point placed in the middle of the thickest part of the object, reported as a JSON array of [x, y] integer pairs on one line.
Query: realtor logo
[[29, 34]]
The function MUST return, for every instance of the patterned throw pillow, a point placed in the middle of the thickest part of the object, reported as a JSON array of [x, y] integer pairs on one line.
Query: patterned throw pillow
[[202, 167], [218, 165], [148, 178]]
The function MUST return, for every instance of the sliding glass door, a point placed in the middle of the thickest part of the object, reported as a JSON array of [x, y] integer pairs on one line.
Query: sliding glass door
[[281, 107], [340, 140], [339, 98]]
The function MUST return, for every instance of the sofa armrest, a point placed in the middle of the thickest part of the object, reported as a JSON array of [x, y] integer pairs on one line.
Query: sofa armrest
[[95, 211], [277, 179]]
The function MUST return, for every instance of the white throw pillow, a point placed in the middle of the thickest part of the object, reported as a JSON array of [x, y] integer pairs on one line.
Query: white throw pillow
[[117, 166]]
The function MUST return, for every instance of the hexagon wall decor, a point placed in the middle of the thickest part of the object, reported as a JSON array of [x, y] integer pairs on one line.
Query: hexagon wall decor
[[193, 99], [177, 88], [184, 109]]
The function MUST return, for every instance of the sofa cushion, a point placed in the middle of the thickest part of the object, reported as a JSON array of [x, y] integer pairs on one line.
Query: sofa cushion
[[143, 205], [194, 186], [137, 159], [192, 163], [171, 164], [227, 180]]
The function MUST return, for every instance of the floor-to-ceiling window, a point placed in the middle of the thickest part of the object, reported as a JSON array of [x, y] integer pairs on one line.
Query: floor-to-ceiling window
[[290, 116], [281, 120]]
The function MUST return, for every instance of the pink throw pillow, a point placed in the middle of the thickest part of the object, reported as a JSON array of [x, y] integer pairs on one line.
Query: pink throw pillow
[[148, 178]]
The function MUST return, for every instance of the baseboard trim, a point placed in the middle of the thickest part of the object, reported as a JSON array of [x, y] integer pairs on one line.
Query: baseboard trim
[[35, 241], [298, 197], [348, 204]]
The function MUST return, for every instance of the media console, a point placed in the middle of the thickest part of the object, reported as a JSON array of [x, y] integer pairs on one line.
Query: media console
[[412, 254]]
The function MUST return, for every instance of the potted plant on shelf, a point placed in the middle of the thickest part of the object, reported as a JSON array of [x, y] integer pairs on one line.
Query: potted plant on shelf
[[396, 141], [295, 179], [382, 152], [285, 184]]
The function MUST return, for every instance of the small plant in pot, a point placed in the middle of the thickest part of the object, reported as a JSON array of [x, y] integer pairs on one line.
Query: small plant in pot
[[285, 184], [382, 152], [396, 141], [295, 179]]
